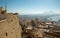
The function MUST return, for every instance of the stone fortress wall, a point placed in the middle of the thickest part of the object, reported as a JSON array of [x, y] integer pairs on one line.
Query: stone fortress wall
[[9, 26]]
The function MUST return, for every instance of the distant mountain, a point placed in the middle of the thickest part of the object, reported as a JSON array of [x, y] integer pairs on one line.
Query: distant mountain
[[44, 15]]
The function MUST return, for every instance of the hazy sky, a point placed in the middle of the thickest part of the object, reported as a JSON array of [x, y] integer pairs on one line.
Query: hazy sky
[[31, 6]]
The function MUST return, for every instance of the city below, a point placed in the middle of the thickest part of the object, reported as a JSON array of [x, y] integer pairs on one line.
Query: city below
[[40, 28]]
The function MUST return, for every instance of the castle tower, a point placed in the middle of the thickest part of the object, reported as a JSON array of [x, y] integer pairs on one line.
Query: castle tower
[[2, 13], [9, 27], [2, 10]]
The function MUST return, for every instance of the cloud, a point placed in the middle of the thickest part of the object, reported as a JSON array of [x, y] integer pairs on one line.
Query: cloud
[[49, 12], [33, 11], [24, 11]]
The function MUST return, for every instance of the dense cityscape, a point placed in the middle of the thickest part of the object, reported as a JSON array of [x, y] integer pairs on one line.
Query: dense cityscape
[[40, 29]]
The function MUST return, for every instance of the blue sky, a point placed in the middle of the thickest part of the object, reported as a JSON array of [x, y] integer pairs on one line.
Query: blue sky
[[32, 6]]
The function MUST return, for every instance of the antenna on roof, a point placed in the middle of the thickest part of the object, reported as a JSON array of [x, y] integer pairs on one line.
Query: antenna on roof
[[6, 6]]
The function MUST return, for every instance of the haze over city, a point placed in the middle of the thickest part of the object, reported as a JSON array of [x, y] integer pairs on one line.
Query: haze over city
[[25, 7]]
